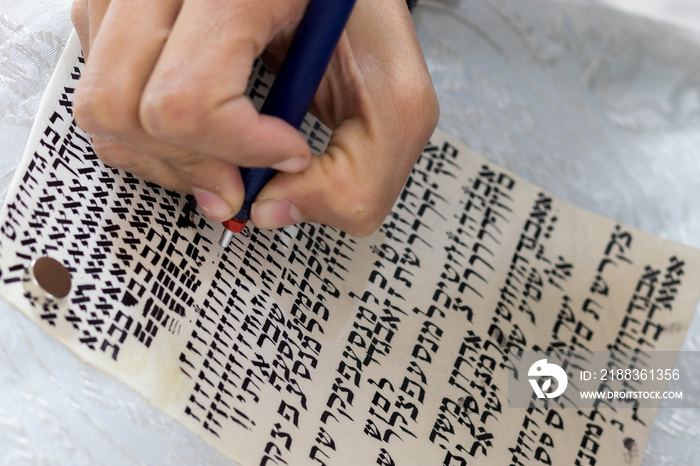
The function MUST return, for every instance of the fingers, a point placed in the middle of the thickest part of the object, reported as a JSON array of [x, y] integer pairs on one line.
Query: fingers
[[338, 188], [166, 79], [354, 184], [162, 94], [351, 187], [86, 20], [380, 101], [214, 117], [79, 16], [120, 63], [109, 95]]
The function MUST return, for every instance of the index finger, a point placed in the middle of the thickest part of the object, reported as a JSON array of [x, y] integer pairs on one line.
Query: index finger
[[195, 95]]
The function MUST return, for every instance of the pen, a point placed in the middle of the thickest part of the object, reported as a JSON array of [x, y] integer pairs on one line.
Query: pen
[[294, 88]]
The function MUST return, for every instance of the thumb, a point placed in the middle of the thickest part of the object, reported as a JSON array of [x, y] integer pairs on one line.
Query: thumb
[[352, 186]]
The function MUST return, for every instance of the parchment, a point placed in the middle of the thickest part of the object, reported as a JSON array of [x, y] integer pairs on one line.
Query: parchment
[[306, 345]]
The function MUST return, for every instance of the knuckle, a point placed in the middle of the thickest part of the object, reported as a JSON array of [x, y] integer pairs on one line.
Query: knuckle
[[430, 105], [361, 212], [108, 152], [190, 168], [101, 110], [199, 170], [423, 103], [78, 12], [172, 115]]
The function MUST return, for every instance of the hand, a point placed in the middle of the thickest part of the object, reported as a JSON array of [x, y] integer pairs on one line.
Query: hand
[[162, 95]]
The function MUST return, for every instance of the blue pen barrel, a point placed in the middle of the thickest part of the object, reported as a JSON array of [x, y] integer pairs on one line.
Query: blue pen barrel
[[298, 79], [307, 59]]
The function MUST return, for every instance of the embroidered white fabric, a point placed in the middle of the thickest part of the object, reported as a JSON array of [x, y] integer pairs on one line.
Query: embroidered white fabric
[[597, 107], [31, 41]]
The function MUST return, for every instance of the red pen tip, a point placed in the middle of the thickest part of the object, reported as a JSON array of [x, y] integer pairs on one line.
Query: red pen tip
[[235, 225]]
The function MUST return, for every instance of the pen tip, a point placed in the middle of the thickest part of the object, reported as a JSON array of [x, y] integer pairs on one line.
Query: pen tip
[[224, 241]]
